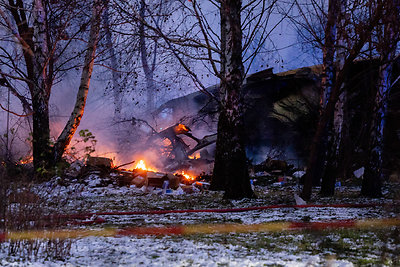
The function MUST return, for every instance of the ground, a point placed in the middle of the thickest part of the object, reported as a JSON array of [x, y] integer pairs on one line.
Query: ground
[[344, 247]]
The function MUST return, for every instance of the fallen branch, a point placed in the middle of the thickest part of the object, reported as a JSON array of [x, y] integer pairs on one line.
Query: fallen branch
[[205, 141], [117, 167]]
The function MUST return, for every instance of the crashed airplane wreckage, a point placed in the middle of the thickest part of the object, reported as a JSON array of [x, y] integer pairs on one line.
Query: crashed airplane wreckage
[[191, 140], [282, 112], [280, 118]]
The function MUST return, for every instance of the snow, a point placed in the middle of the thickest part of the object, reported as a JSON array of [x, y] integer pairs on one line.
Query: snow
[[299, 200], [172, 251], [359, 172], [245, 249], [299, 174]]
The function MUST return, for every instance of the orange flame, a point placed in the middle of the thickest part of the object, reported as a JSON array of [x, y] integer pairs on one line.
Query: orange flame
[[181, 129], [187, 176], [26, 160], [196, 156], [142, 166]]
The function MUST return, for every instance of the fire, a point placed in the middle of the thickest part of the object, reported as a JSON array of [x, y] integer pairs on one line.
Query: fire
[[142, 166], [196, 156], [26, 160], [187, 176], [181, 129]]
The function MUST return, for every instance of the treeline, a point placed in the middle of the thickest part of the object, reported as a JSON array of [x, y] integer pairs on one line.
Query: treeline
[[43, 40]]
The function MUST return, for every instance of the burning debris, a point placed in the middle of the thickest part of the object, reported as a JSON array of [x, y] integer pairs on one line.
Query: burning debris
[[147, 178], [142, 166], [177, 152]]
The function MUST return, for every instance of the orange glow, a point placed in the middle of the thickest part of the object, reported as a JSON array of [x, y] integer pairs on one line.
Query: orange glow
[[180, 129], [142, 166], [187, 176], [26, 160], [196, 156], [166, 142]]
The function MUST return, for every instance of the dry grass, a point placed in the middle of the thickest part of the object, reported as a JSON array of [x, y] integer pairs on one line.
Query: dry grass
[[21, 210]]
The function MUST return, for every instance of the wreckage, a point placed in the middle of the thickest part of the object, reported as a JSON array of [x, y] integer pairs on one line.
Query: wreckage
[[280, 108], [141, 176], [282, 111]]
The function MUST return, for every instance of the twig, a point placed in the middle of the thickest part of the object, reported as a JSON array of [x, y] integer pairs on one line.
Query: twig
[[16, 114], [117, 167]]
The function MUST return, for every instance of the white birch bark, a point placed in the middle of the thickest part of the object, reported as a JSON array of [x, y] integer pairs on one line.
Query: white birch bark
[[74, 120], [230, 167], [340, 58], [40, 89]]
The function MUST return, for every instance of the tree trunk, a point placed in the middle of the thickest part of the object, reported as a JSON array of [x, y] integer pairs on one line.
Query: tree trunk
[[372, 182], [218, 179], [40, 91], [66, 135], [34, 43], [114, 64], [116, 89], [230, 167], [148, 71], [327, 82], [335, 130], [327, 113]]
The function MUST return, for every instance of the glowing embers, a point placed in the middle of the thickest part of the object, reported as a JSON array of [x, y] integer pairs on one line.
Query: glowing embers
[[145, 171], [196, 156], [142, 166], [25, 160], [181, 129], [188, 177]]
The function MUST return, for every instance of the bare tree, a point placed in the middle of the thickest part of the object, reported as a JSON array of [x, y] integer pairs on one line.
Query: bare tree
[[334, 131], [230, 167], [194, 37], [363, 30], [388, 39], [147, 68], [117, 89], [42, 51], [69, 130]]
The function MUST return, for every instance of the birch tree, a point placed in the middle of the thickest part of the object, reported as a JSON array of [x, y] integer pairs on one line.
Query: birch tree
[[363, 31], [44, 59], [386, 47], [147, 65], [327, 81], [230, 167], [74, 120], [334, 131], [117, 90]]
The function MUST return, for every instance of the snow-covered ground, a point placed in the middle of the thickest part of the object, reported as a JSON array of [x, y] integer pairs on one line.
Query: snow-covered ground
[[172, 251], [294, 248]]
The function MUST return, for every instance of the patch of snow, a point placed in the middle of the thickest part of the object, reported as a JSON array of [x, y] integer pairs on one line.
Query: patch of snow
[[299, 200], [93, 180], [359, 172], [299, 174]]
